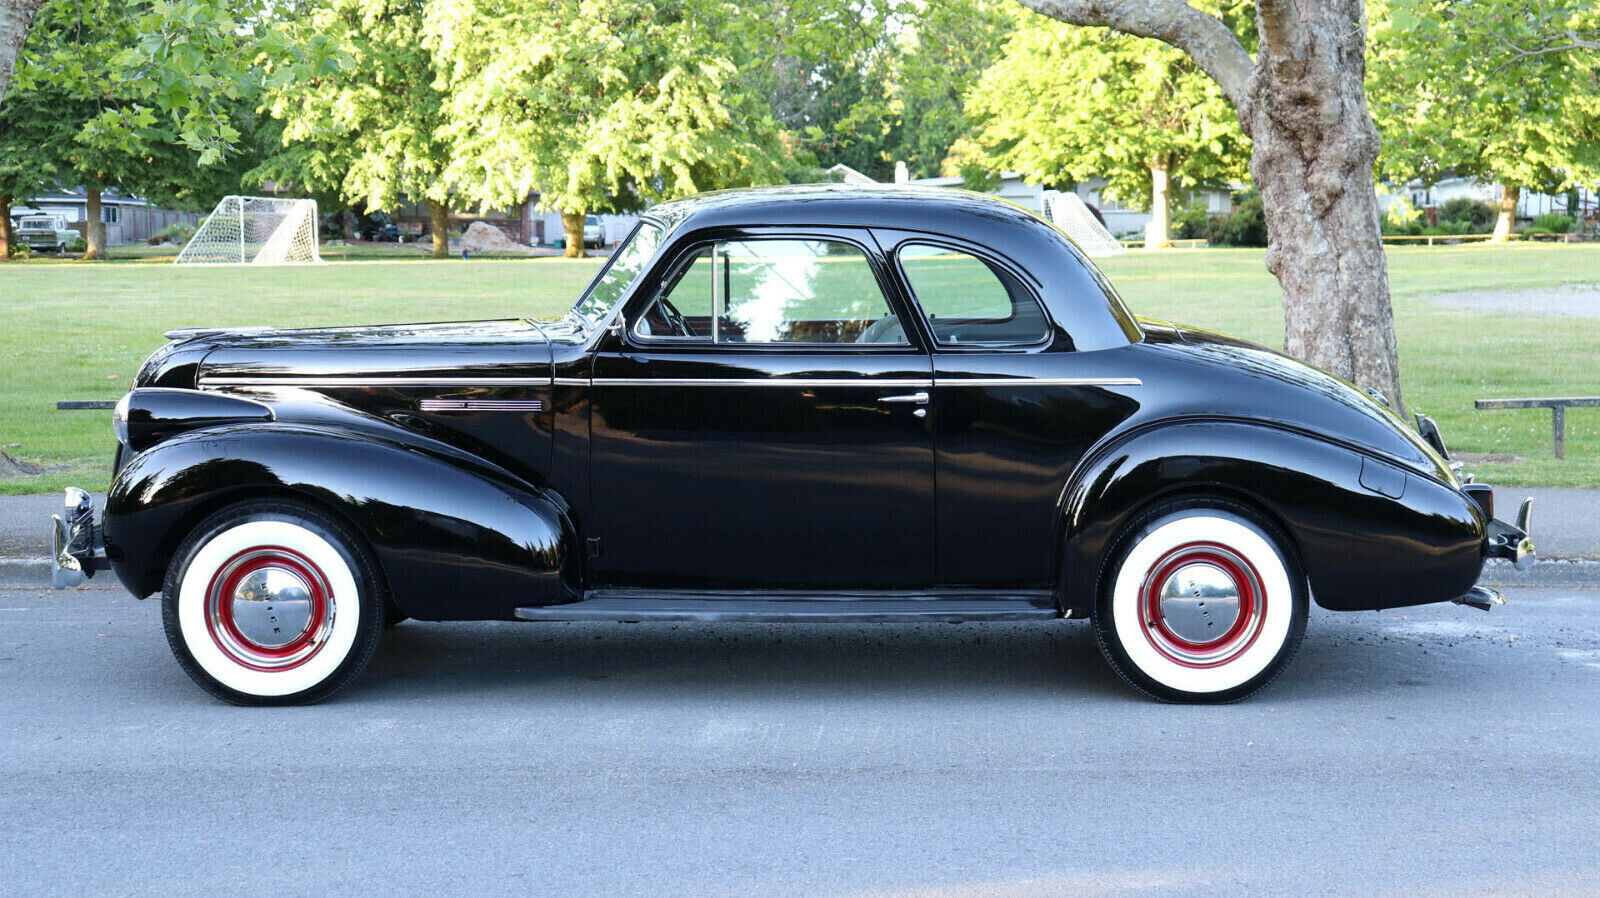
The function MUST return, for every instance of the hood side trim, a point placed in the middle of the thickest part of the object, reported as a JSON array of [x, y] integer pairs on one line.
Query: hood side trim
[[273, 380]]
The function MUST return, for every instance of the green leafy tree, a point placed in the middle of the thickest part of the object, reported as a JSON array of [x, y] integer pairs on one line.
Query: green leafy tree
[[1064, 104], [96, 94], [1503, 90], [596, 104], [27, 167], [932, 60], [362, 109]]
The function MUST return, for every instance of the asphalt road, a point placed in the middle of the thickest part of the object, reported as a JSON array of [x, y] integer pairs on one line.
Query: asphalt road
[[1439, 750]]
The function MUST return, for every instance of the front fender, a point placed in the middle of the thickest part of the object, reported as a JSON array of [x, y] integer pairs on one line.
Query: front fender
[[453, 543], [1371, 534]]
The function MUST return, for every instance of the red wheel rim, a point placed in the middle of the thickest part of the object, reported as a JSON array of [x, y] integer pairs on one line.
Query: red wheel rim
[[1237, 636], [224, 597]]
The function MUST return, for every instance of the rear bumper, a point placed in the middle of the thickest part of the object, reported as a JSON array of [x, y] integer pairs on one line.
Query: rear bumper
[[78, 546], [1501, 540]]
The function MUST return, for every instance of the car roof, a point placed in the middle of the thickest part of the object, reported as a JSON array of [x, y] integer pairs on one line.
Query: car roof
[[1078, 298], [888, 205]]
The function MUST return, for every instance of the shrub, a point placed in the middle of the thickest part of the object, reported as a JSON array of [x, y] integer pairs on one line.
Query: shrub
[[1447, 228], [1552, 223], [1189, 222], [1402, 217], [79, 245], [1476, 213], [1246, 225], [177, 233]]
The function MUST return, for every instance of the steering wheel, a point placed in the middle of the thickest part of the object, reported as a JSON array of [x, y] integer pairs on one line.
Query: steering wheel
[[675, 318]]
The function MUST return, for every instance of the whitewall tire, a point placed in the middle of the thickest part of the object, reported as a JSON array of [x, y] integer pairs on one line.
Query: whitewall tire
[[272, 602], [1201, 600]]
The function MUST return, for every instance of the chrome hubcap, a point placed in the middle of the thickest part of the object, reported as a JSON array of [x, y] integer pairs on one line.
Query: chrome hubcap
[[1202, 605], [272, 607], [1199, 602], [269, 608]]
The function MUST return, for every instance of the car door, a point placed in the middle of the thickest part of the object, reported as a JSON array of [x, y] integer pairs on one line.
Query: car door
[[760, 421], [1015, 409]]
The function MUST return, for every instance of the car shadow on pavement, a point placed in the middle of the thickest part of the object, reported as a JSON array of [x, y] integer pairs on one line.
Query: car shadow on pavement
[[728, 661]]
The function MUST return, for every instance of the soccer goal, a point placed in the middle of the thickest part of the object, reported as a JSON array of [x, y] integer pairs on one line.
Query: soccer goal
[[256, 230], [1068, 212]]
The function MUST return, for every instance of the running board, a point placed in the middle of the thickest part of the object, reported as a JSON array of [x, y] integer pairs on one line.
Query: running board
[[634, 606]]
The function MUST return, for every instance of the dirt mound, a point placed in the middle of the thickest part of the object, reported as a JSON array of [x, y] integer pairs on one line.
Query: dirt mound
[[12, 467], [481, 237]]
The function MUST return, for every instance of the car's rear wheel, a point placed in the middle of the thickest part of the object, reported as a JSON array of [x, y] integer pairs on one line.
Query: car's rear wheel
[[1201, 600], [272, 603]]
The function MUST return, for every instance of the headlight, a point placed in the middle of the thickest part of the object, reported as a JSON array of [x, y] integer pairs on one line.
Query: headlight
[[119, 418]]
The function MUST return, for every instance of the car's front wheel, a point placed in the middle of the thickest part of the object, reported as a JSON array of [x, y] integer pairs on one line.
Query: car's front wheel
[[1201, 600], [271, 603]]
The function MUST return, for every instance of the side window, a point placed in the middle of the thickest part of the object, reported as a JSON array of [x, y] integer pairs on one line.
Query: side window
[[682, 310], [774, 291], [967, 300]]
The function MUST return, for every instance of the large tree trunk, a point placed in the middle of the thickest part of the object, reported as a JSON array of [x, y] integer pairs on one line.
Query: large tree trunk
[[1158, 232], [95, 233], [6, 234], [1506, 223], [1314, 148], [572, 227], [1303, 104], [439, 223], [16, 17]]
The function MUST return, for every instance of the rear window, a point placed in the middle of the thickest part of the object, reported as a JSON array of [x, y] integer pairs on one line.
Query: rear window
[[38, 223], [969, 300]]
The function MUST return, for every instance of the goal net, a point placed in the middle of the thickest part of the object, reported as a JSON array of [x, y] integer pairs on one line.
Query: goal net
[[1067, 211], [256, 230]]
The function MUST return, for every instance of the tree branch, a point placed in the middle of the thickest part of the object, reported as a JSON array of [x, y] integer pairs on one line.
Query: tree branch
[[1207, 40]]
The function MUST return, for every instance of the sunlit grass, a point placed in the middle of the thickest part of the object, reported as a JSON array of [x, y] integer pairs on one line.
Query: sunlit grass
[[76, 330]]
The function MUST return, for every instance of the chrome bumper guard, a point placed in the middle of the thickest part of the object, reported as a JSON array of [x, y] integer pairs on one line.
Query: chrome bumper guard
[[79, 549], [1508, 541], [1511, 541]]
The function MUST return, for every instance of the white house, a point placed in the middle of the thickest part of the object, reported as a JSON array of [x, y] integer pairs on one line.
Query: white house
[[1530, 205]]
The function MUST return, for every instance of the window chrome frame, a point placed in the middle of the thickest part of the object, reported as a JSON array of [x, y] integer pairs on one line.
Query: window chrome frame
[[1028, 283]]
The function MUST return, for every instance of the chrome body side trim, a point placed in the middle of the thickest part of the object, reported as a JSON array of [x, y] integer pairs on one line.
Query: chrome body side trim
[[481, 405], [1040, 382], [924, 383], [273, 380], [762, 382]]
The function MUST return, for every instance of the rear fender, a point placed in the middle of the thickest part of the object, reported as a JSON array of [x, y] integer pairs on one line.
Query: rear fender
[[454, 543], [1370, 534]]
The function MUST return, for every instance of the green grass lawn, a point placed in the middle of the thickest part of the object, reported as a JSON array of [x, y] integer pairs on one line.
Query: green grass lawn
[[79, 330]]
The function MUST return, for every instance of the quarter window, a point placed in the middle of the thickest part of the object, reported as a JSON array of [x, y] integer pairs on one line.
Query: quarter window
[[774, 291], [969, 300]]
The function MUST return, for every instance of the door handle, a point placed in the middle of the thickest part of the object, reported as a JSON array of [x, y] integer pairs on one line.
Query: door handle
[[919, 398]]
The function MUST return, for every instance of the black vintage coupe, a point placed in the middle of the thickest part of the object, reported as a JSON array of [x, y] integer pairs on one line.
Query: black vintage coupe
[[798, 404]]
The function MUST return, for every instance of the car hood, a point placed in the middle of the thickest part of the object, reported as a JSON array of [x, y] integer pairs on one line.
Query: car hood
[[1237, 377], [511, 347]]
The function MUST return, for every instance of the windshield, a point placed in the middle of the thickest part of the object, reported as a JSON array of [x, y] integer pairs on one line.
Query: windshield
[[593, 220], [625, 265]]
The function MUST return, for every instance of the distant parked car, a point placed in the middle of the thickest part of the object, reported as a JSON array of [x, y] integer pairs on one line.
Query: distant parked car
[[378, 227], [594, 233], [45, 232]]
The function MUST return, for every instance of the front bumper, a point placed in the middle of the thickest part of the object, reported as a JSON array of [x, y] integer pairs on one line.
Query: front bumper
[[78, 546]]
